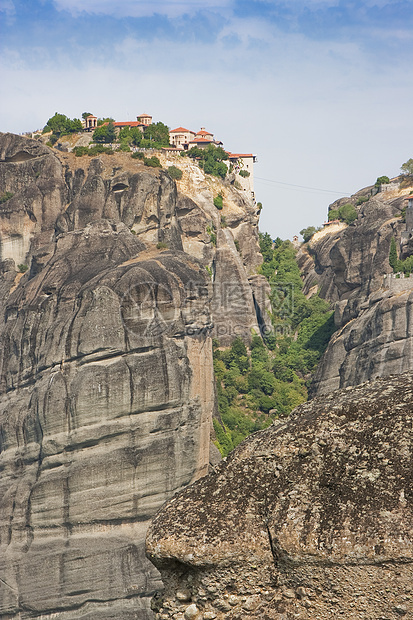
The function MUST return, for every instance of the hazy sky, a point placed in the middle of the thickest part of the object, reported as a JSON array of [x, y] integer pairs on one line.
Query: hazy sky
[[321, 90]]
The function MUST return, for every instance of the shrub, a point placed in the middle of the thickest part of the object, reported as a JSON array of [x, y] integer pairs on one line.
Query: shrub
[[162, 245], [308, 232], [138, 155], [393, 258], [362, 199], [244, 173], [219, 202], [152, 162], [175, 173], [105, 133], [333, 214], [407, 167], [60, 124], [212, 235], [5, 197], [22, 268], [79, 151], [347, 213], [210, 159], [382, 181], [223, 221]]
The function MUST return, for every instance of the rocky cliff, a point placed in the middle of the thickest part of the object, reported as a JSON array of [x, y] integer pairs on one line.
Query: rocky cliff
[[311, 518], [106, 378], [348, 265]]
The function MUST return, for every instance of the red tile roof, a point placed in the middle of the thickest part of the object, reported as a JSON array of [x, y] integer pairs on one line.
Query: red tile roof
[[204, 133], [237, 155], [202, 140], [182, 130], [127, 124]]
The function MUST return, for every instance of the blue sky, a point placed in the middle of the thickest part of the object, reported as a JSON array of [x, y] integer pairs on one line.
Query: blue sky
[[320, 90]]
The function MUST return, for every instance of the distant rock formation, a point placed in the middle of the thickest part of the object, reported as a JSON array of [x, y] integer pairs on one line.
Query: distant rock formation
[[349, 268], [106, 378], [310, 519]]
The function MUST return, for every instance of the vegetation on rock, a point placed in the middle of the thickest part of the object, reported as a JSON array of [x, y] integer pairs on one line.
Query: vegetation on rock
[[346, 213], [271, 378], [219, 202], [308, 232], [5, 197], [152, 162], [175, 173], [211, 159], [407, 167], [92, 151], [59, 124], [105, 133], [399, 266], [382, 181]]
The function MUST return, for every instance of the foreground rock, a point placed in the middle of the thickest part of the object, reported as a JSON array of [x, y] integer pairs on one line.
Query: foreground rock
[[311, 518]]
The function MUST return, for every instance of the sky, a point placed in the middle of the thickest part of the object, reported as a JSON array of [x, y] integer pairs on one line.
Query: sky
[[321, 91]]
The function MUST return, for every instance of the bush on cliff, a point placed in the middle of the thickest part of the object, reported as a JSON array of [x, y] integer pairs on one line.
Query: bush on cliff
[[211, 159], [59, 124], [105, 133], [175, 173], [152, 162], [271, 378]]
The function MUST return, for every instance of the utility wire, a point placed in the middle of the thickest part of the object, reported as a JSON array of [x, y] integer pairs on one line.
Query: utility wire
[[316, 189]]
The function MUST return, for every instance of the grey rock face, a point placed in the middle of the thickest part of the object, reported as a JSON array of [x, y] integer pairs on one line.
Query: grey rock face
[[348, 266], [104, 413], [311, 518], [34, 176], [106, 379]]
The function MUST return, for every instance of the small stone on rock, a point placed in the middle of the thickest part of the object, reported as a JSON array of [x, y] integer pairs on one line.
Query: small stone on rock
[[183, 595], [191, 612]]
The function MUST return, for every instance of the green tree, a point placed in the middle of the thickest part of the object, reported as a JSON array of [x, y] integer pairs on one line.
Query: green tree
[[219, 202], [157, 134], [347, 213], [382, 181], [333, 214], [407, 167], [211, 159], [102, 121], [86, 114], [266, 247], [105, 133], [393, 258], [175, 173], [60, 124], [308, 232]]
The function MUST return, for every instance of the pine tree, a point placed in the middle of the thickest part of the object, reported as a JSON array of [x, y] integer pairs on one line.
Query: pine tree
[[393, 258]]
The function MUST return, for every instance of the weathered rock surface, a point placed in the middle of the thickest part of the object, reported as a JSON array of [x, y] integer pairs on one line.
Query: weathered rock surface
[[105, 407], [106, 379], [311, 518], [348, 265]]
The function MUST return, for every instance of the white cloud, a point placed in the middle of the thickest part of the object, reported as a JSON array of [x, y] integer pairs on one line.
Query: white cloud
[[7, 6], [141, 8]]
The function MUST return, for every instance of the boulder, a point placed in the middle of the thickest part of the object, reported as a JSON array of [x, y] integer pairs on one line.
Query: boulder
[[311, 518]]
